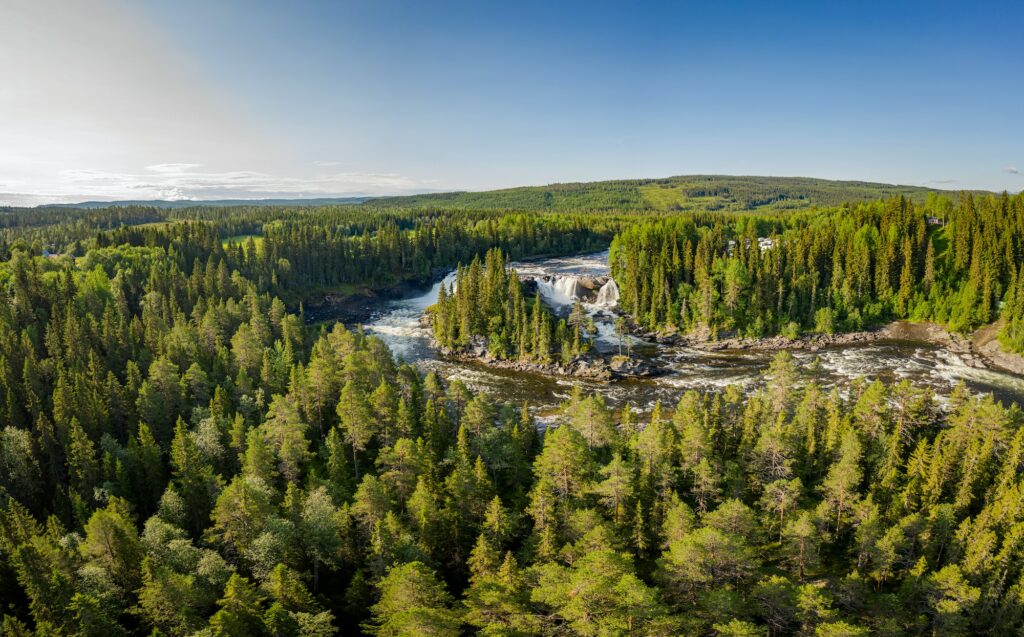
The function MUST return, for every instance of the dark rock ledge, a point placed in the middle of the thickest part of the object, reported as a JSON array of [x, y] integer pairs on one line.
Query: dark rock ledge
[[588, 366]]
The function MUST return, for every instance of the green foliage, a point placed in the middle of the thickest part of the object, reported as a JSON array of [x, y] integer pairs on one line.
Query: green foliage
[[181, 455], [685, 193], [840, 269], [486, 309], [413, 602]]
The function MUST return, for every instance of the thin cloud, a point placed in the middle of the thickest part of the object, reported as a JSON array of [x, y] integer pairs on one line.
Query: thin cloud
[[172, 168], [943, 181], [184, 182], [1013, 170]]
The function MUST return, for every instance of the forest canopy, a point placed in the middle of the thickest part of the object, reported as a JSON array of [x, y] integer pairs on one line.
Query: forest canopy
[[181, 453], [839, 270]]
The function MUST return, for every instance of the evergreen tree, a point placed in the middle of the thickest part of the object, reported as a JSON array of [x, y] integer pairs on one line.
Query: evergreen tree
[[412, 601]]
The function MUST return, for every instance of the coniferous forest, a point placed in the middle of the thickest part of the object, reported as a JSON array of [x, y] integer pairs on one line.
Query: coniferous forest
[[842, 270], [182, 453], [487, 302]]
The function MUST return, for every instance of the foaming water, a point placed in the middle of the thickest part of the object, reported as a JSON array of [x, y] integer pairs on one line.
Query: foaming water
[[608, 295], [398, 324], [559, 291]]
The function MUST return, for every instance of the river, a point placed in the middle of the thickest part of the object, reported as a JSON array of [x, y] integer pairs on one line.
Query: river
[[398, 324]]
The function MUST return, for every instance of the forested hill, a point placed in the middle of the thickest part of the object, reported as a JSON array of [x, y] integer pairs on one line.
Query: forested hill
[[686, 193], [691, 193]]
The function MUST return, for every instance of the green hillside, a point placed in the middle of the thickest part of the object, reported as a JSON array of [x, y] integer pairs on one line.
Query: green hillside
[[684, 193]]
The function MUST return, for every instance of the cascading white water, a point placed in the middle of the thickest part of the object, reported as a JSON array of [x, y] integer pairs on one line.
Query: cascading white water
[[608, 295], [559, 291], [400, 326]]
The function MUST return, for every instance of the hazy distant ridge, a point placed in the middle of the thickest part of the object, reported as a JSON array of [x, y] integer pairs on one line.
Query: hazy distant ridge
[[189, 203], [682, 193]]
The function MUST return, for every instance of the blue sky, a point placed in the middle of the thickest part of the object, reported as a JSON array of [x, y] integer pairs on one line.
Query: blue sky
[[310, 98]]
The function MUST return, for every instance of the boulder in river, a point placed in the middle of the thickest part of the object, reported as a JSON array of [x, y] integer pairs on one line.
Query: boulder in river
[[593, 368], [623, 366]]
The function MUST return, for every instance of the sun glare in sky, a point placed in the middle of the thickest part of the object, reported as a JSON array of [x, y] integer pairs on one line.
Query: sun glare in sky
[[110, 100]]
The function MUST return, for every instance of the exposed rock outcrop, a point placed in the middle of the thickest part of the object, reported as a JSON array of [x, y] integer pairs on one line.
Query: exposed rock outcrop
[[589, 366], [980, 350], [985, 341], [634, 367]]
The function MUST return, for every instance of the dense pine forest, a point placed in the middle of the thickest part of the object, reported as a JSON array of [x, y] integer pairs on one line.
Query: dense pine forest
[[845, 269], [486, 304], [182, 454], [297, 253]]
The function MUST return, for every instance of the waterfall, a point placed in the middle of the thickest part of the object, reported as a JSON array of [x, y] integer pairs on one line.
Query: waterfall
[[558, 290], [608, 295], [568, 287], [561, 290]]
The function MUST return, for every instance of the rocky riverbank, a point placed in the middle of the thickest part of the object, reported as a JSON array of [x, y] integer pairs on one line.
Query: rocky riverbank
[[980, 350], [777, 342], [986, 343], [588, 366], [354, 308]]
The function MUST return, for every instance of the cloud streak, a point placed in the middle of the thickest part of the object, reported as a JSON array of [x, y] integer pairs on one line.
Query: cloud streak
[[182, 181], [1013, 170], [172, 168]]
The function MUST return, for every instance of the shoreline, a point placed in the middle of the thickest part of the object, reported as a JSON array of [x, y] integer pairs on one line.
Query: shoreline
[[356, 308], [578, 368], [591, 366], [980, 349], [986, 343]]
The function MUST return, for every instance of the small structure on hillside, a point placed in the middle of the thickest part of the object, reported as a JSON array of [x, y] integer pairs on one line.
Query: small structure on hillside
[[763, 243]]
